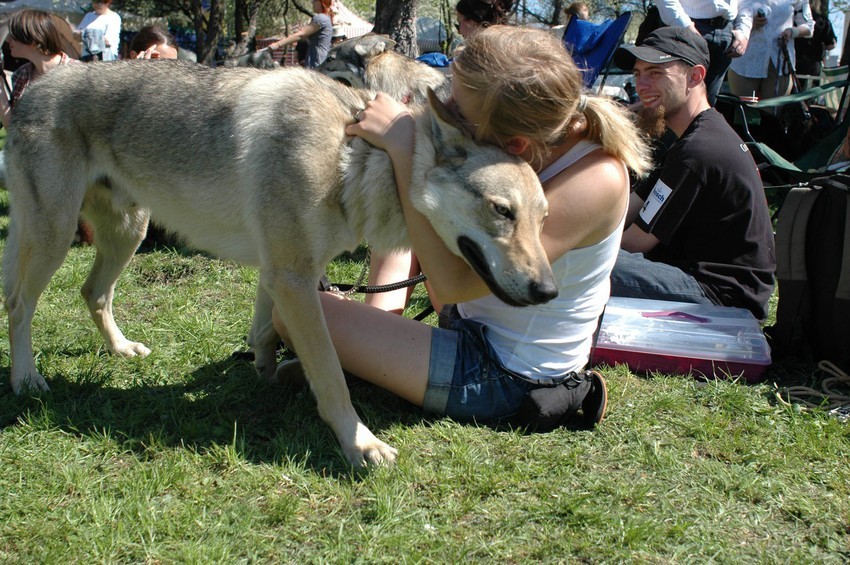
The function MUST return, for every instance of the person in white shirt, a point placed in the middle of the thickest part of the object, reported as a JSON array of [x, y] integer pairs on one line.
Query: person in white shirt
[[100, 32], [764, 70]]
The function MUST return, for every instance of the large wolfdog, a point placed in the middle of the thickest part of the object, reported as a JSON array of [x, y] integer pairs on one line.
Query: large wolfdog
[[252, 166]]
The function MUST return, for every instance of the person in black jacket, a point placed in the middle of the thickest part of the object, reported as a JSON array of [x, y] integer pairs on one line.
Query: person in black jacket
[[811, 51]]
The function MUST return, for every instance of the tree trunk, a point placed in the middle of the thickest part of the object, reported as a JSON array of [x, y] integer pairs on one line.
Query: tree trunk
[[397, 18], [208, 29], [245, 34], [240, 15], [557, 12]]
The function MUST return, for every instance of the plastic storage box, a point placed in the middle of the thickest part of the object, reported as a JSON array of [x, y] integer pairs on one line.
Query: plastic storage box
[[681, 338]]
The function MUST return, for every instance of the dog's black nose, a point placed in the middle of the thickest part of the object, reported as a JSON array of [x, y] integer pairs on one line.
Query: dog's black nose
[[542, 292]]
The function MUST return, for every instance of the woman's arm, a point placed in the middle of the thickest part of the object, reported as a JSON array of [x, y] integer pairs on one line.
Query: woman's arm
[[802, 23], [387, 124], [302, 33]]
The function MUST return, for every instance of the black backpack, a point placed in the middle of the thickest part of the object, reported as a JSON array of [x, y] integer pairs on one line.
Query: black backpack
[[813, 271]]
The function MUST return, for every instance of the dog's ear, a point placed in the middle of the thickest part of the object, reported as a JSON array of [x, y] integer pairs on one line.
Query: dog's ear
[[373, 45], [442, 111], [450, 138]]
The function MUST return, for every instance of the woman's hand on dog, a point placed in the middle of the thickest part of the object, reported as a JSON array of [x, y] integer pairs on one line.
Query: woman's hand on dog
[[386, 124]]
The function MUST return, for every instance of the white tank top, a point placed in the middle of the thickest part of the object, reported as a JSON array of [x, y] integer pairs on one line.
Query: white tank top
[[551, 339]]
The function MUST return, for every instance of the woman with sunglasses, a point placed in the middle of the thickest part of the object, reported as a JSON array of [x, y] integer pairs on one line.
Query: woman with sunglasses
[[153, 42], [516, 88]]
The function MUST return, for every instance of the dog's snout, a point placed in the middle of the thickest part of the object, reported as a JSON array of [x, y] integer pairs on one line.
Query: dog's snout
[[542, 291]]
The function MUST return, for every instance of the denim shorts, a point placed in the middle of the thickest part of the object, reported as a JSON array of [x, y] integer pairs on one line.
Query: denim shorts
[[466, 379]]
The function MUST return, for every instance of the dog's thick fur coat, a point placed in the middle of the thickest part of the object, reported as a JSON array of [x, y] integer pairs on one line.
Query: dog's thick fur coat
[[252, 166]]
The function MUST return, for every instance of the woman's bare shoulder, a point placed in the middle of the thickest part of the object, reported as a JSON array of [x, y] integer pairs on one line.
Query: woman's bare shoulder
[[586, 201]]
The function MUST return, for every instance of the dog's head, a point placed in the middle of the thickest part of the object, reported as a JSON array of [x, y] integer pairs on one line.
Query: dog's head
[[487, 206], [255, 59], [369, 62], [347, 60]]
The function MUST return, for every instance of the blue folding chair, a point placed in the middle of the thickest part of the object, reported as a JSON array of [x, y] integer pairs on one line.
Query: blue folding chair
[[592, 45]]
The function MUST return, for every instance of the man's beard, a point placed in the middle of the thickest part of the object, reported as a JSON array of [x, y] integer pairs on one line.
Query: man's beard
[[651, 121]]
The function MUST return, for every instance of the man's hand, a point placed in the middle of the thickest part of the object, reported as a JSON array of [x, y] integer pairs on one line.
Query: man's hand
[[738, 45]]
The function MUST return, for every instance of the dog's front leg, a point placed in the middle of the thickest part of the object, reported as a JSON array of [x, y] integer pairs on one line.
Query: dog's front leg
[[34, 251], [301, 311], [263, 338], [24, 374]]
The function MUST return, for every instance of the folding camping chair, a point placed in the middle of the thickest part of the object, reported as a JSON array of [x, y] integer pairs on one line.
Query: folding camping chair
[[780, 167], [828, 75], [592, 45], [781, 172]]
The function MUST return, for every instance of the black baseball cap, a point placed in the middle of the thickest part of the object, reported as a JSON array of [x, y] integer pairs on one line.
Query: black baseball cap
[[663, 45]]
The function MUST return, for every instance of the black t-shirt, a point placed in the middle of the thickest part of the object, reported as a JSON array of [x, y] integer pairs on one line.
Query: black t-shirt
[[707, 207]]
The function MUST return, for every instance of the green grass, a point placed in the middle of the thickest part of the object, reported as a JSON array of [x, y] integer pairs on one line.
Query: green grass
[[185, 456]]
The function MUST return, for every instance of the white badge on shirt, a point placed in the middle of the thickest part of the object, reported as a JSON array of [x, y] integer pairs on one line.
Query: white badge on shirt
[[655, 201]]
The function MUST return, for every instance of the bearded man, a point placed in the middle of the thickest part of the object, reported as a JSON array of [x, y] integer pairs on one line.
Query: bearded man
[[699, 229]]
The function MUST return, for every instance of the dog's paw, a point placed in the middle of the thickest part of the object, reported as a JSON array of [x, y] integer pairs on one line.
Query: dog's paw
[[369, 451], [130, 349], [380, 454], [265, 364], [29, 383]]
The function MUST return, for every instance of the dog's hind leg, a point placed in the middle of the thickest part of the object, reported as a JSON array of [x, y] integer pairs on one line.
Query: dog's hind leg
[[297, 300], [35, 249], [117, 235]]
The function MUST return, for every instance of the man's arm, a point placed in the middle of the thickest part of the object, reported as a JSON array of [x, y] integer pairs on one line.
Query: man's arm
[[741, 28], [635, 204], [635, 240], [672, 14]]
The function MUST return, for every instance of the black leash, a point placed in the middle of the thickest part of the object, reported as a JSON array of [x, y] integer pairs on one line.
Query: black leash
[[346, 288]]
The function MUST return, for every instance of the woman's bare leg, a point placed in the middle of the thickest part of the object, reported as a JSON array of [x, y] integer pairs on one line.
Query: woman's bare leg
[[383, 348]]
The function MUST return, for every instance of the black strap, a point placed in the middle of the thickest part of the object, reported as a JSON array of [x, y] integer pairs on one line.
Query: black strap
[[596, 337]]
